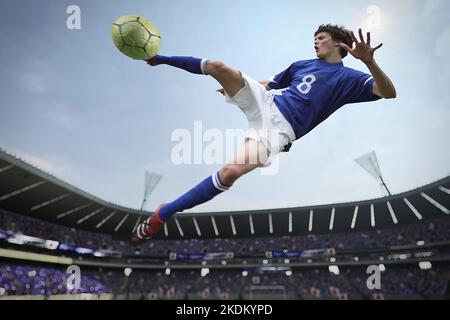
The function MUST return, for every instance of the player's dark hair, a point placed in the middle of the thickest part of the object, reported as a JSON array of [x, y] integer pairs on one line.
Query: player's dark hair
[[338, 33]]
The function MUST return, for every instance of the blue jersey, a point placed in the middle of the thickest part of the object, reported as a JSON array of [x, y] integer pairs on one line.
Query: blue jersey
[[315, 89]]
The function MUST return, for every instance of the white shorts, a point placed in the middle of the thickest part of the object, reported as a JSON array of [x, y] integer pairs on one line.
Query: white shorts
[[266, 123]]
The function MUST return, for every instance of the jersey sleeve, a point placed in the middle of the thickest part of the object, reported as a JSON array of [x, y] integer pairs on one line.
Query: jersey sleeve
[[282, 80], [360, 87]]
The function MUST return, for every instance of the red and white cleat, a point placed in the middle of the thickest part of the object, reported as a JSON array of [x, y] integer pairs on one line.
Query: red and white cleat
[[149, 228]]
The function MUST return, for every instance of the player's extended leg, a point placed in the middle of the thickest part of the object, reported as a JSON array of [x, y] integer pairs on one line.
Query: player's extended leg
[[253, 156], [231, 80]]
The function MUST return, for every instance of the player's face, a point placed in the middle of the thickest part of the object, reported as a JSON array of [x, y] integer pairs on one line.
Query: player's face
[[324, 45]]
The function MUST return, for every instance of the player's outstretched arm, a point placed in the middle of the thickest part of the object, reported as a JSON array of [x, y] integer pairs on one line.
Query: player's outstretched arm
[[383, 86]]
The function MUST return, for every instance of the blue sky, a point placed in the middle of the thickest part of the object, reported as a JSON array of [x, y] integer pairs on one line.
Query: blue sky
[[73, 105]]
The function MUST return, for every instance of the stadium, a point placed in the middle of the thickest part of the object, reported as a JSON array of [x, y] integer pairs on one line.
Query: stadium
[[320, 252], [97, 94]]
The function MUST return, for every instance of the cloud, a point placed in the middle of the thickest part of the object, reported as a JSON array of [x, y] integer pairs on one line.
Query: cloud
[[441, 49], [32, 83], [62, 120], [442, 46], [433, 7]]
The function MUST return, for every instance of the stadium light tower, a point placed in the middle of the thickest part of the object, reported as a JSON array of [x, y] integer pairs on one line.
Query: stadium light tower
[[369, 163], [151, 181]]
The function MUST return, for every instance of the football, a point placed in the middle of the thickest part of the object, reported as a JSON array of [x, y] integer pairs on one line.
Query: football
[[136, 37]]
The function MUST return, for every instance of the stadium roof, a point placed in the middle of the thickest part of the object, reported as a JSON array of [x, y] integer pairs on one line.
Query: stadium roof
[[30, 191]]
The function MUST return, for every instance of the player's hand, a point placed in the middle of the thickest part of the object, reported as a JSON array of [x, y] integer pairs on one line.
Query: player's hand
[[222, 91], [362, 50]]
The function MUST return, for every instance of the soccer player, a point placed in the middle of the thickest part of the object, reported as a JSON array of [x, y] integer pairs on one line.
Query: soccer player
[[307, 93]]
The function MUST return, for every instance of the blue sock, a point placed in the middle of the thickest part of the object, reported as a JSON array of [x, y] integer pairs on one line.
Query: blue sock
[[190, 64], [203, 192]]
